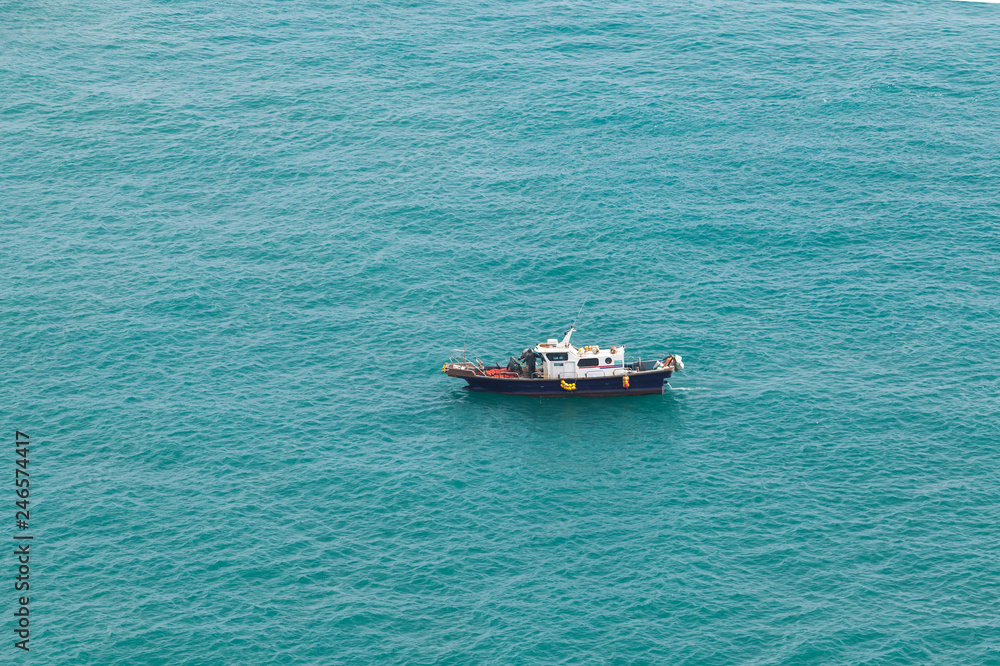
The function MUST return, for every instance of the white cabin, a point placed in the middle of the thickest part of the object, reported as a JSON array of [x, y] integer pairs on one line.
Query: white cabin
[[560, 359]]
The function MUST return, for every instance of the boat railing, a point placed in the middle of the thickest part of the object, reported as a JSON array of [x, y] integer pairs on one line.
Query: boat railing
[[637, 364]]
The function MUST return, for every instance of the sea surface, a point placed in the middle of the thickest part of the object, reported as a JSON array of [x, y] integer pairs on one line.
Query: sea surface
[[240, 239]]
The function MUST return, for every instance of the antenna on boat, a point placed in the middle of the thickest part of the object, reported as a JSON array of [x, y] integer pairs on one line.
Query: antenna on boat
[[573, 325]]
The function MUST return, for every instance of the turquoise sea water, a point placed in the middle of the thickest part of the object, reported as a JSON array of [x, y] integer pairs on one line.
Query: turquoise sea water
[[239, 240]]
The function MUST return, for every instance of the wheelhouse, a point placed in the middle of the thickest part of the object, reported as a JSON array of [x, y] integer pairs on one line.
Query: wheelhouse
[[560, 359]]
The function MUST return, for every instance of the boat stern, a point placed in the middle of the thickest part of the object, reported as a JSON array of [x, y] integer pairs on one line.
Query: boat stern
[[460, 369]]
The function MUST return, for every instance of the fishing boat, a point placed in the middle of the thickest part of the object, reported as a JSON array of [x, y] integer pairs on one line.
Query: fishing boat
[[557, 368]]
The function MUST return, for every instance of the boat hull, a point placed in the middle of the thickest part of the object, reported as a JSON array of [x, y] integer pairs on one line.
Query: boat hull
[[644, 383]]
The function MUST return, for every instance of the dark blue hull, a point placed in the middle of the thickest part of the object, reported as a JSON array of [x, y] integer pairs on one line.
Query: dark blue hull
[[639, 384]]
